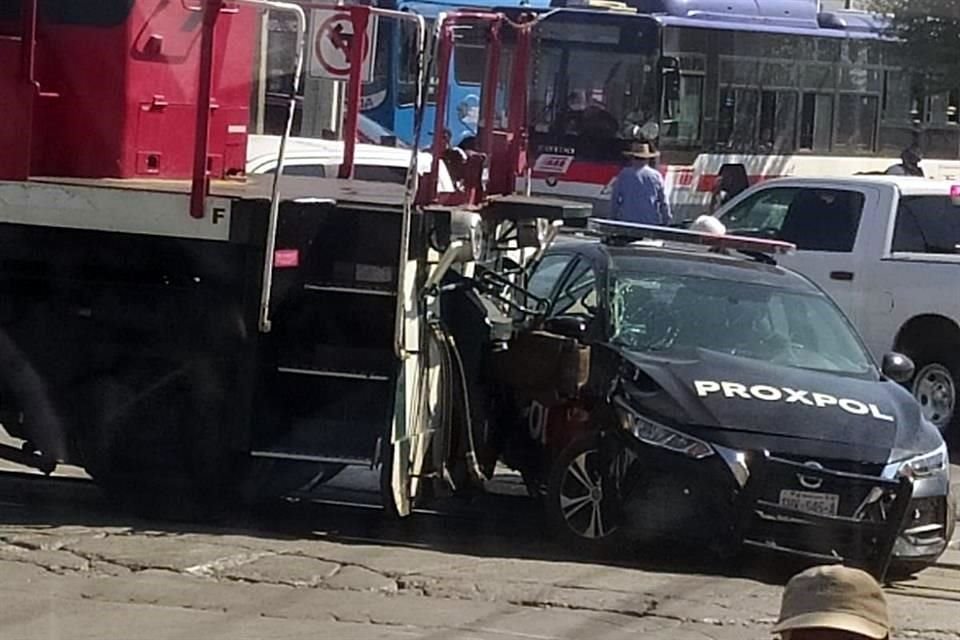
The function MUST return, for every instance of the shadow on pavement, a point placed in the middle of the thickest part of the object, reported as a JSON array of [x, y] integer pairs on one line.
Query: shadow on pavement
[[487, 526]]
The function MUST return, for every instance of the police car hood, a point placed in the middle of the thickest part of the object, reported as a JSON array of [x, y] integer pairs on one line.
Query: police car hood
[[751, 404]]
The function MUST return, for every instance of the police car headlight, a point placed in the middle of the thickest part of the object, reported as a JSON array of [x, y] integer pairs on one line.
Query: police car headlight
[[655, 434], [926, 464]]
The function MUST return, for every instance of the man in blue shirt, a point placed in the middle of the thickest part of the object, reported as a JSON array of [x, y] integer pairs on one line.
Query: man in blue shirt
[[638, 192]]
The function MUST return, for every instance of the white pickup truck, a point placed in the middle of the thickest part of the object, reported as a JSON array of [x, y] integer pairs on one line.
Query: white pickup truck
[[888, 250]]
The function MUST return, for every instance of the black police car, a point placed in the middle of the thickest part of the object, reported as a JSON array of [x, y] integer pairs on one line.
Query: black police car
[[681, 384]]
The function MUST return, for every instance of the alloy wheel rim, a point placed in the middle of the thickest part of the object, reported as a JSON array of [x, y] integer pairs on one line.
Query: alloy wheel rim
[[585, 509]]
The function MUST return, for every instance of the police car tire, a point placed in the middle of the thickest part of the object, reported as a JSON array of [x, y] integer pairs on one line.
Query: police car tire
[[610, 543], [905, 569]]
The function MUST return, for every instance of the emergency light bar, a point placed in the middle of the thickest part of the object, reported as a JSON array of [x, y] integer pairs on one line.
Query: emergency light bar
[[602, 5], [618, 230]]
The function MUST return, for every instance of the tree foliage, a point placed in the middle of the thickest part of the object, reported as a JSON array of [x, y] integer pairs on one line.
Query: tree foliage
[[928, 32]]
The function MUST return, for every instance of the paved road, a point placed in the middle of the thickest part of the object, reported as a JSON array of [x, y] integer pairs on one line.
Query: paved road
[[72, 568]]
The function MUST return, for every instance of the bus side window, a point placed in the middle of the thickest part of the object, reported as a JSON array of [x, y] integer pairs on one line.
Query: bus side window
[[816, 121], [737, 119], [778, 116], [683, 114]]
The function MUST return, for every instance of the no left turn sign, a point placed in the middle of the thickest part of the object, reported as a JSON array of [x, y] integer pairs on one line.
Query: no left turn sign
[[333, 40]]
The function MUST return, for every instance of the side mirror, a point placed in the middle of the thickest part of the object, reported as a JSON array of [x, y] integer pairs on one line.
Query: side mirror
[[897, 367], [567, 326]]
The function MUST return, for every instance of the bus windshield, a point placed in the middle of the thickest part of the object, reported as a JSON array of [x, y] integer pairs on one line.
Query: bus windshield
[[594, 83]]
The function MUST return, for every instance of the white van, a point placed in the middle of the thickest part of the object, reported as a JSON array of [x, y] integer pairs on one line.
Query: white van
[[318, 158]]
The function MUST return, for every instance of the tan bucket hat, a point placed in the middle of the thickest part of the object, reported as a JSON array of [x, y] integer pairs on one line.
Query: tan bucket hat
[[641, 150], [834, 597]]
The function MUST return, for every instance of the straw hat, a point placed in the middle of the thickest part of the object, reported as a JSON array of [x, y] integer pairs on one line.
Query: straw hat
[[834, 597], [641, 150]]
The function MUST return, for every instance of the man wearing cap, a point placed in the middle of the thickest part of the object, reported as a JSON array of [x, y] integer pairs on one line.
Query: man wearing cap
[[833, 602], [638, 191]]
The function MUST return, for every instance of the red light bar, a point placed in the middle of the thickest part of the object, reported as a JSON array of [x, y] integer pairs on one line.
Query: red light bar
[[955, 195], [633, 231]]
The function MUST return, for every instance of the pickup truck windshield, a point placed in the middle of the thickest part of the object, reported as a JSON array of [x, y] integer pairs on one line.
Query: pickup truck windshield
[[677, 314]]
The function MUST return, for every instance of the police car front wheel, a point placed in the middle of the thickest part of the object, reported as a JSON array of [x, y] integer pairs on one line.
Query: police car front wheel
[[582, 505]]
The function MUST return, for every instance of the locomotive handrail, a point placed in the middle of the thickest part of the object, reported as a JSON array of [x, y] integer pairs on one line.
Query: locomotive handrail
[[359, 15], [201, 179], [28, 42], [412, 184], [267, 283]]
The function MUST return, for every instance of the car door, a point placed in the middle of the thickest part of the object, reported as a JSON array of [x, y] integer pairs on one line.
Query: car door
[[544, 277], [823, 220], [576, 296], [554, 419], [531, 364]]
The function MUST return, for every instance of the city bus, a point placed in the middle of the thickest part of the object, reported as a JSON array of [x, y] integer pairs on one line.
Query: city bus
[[742, 90], [388, 97], [748, 89], [387, 100]]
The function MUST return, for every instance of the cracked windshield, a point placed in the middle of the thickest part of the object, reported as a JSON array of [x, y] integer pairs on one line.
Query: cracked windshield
[[480, 319]]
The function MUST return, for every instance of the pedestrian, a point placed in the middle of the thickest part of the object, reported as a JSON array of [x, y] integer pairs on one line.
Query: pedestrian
[[910, 159], [638, 191], [833, 602], [731, 180]]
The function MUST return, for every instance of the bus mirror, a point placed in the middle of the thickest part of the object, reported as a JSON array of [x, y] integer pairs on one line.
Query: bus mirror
[[670, 68]]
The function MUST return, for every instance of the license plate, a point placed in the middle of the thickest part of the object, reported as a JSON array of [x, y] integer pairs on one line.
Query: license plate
[[820, 504]]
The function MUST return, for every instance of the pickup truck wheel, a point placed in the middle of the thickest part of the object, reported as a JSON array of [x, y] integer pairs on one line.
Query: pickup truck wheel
[[935, 387]]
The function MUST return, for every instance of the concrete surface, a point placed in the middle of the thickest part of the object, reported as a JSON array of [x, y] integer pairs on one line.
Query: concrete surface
[[71, 567]]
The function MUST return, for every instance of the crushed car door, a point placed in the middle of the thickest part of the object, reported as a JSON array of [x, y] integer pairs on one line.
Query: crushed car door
[[549, 364], [532, 364]]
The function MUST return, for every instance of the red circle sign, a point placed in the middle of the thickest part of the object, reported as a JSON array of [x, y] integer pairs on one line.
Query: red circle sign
[[333, 42]]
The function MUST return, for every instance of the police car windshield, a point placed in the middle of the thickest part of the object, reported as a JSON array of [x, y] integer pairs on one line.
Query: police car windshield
[[681, 314]]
